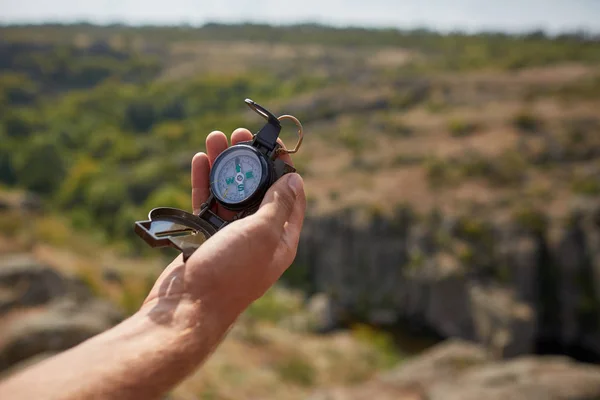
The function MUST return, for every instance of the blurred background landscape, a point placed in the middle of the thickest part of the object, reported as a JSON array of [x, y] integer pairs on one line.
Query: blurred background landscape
[[451, 162]]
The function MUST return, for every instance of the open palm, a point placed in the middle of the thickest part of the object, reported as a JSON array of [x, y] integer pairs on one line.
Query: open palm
[[241, 261]]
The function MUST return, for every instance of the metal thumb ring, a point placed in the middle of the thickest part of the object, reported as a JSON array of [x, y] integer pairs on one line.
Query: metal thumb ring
[[300, 134]]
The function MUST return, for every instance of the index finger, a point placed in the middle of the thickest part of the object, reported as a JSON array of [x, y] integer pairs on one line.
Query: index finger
[[200, 190]]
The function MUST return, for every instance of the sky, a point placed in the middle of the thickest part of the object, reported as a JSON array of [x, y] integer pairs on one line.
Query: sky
[[467, 15]]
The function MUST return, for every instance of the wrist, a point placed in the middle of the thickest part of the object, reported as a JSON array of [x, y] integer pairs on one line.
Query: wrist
[[197, 325]]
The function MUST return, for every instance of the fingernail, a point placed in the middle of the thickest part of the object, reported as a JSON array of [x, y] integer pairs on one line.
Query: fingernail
[[295, 183]]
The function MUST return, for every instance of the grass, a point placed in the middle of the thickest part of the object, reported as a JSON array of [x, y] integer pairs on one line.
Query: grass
[[53, 230], [460, 128], [274, 306], [297, 370], [586, 185], [465, 254], [507, 169], [353, 141], [385, 355]]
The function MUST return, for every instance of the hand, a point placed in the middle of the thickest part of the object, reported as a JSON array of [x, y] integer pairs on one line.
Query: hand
[[238, 264]]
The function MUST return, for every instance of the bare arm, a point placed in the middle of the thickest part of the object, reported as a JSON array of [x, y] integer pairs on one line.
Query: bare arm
[[138, 359]]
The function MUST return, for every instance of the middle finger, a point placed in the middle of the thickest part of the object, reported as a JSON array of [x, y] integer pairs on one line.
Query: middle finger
[[216, 142]]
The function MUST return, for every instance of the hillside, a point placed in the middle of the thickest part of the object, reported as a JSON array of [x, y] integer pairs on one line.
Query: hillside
[[487, 122]]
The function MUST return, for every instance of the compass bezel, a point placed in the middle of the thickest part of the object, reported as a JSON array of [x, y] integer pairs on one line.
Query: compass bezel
[[255, 197]]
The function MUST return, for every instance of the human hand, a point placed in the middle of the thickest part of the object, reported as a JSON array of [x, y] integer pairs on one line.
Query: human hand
[[239, 263]]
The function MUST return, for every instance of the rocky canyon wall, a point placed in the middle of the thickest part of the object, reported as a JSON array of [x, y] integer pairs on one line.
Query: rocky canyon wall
[[518, 286]]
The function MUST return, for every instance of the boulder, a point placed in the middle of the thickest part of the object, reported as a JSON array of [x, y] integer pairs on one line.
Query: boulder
[[24, 282], [42, 311], [503, 324], [458, 370]]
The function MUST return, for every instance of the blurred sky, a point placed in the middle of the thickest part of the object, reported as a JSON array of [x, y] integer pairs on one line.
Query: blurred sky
[[470, 15]]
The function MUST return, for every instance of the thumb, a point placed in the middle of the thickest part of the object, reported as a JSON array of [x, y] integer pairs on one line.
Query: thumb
[[280, 200]]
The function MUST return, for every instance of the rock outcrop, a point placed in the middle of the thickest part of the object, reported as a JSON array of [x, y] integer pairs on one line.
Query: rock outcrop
[[457, 370], [44, 312], [516, 285]]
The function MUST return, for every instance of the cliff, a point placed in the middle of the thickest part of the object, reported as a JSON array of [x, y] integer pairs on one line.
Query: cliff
[[519, 285]]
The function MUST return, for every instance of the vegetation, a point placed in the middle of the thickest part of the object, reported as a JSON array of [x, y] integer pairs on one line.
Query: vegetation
[[526, 122], [110, 111], [460, 127]]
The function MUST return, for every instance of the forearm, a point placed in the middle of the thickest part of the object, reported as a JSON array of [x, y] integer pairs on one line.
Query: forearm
[[142, 358]]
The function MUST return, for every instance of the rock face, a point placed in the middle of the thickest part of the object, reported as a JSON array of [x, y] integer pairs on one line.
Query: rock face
[[43, 312], [517, 285], [457, 370]]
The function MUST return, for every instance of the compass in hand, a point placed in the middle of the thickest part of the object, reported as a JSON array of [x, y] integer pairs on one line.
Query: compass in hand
[[239, 179]]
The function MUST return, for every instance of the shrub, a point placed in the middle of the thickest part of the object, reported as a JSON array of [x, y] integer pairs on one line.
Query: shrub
[[526, 122], [437, 171], [474, 165], [587, 186], [461, 128], [406, 159], [353, 141], [508, 168], [40, 166], [386, 354], [531, 219]]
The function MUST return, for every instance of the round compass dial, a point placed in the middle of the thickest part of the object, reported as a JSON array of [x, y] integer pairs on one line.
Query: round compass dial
[[237, 175]]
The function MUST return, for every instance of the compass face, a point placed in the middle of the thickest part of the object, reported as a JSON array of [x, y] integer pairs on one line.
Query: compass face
[[236, 175]]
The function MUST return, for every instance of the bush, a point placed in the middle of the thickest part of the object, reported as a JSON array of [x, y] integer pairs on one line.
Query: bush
[[387, 355], [40, 166], [508, 168], [437, 171], [587, 186], [461, 128], [526, 122], [531, 219]]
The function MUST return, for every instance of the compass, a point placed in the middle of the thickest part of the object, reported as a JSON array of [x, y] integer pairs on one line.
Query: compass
[[239, 178]]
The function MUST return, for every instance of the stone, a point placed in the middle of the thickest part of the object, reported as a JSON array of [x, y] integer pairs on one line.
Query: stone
[[443, 361], [459, 370], [504, 324], [321, 313], [25, 282], [42, 311], [57, 327], [525, 378]]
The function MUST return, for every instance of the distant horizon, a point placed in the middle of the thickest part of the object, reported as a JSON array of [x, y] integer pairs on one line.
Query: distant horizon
[[592, 33], [467, 16]]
